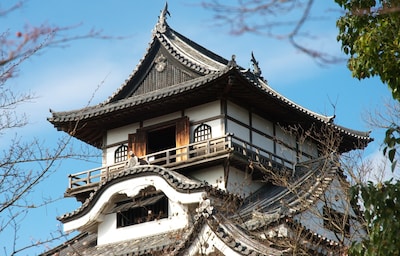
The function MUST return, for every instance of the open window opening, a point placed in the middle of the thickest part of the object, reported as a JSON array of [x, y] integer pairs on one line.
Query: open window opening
[[166, 143], [161, 139], [148, 205]]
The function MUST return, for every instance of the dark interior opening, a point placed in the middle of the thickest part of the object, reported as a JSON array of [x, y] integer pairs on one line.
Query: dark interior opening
[[161, 139]]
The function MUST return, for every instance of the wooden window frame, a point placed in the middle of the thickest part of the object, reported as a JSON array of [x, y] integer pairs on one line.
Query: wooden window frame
[[137, 142], [121, 154], [202, 132]]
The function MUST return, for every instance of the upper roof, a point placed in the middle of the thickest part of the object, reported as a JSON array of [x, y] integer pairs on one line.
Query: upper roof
[[177, 73]]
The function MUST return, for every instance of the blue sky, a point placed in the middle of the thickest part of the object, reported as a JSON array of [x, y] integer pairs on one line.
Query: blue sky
[[65, 78]]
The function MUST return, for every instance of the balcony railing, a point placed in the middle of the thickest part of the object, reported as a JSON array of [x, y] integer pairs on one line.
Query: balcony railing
[[177, 156]]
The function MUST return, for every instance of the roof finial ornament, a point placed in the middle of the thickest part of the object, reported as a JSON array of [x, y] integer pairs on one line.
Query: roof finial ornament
[[256, 68], [162, 19], [232, 62]]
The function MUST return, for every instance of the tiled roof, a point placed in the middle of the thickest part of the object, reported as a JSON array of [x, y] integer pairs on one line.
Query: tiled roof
[[100, 109], [170, 243], [86, 244], [263, 86], [209, 66], [239, 240], [310, 182]]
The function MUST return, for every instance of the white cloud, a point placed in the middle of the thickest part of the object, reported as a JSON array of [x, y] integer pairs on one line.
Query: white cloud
[[381, 167]]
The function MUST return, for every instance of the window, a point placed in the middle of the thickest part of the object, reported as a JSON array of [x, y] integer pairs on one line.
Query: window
[[169, 135], [149, 205], [202, 132], [161, 139], [336, 221], [121, 154]]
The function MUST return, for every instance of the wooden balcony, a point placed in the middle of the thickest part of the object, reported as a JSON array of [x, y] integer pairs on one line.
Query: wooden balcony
[[178, 158]]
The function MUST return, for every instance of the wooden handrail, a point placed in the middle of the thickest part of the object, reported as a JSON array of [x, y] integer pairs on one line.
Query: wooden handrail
[[172, 156]]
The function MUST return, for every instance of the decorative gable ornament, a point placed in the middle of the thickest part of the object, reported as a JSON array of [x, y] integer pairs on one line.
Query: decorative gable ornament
[[161, 63]]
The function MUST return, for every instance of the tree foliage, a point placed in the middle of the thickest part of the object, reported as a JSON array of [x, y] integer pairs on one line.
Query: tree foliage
[[382, 215], [370, 34]]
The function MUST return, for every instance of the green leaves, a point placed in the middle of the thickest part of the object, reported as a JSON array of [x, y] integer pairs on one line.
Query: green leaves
[[382, 215], [370, 35]]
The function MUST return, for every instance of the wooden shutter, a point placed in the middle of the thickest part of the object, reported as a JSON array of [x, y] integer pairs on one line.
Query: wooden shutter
[[182, 137], [137, 142]]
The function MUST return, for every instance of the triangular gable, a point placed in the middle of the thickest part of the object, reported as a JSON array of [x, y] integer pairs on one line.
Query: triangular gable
[[170, 59]]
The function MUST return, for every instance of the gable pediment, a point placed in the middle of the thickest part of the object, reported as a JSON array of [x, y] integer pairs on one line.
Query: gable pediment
[[162, 71]]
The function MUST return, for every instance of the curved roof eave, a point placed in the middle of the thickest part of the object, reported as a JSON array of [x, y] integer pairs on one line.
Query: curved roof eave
[[89, 112], [176, 181], [328, 120], [263, 85], [173, 184]]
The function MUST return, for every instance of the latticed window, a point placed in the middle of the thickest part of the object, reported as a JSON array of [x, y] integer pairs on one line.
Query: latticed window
[[149, 205], [121, 154], [202, 132]]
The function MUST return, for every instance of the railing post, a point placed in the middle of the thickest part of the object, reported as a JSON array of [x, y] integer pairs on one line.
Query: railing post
[[167, 156], [257, 155], [107, 173], [70, 181], [229, 138], [88, 178]]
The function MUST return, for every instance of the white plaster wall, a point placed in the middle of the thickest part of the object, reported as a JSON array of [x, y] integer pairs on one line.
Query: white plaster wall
[[309, 148], [238, 112], [109, 153], [117, 135], [213, 175], [216, 128], [313, 218], [204, 111], [162, 119], [285, 136], [241, 183], [238, 131], [121, 134], [262, 124], [263, 142], [109, 233], [285, 153]]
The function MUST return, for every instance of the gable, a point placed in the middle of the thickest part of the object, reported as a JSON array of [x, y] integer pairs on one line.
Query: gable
[[158, 71]]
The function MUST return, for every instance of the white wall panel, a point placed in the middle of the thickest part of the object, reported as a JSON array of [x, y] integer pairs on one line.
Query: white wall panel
[[121, 134], [241, 183], [263, 142], [204, 111], [161, 119], [262, 125], [238, 112], [238, 130]]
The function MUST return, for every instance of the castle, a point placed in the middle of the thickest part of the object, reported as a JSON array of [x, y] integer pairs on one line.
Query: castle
[[204, 157]]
